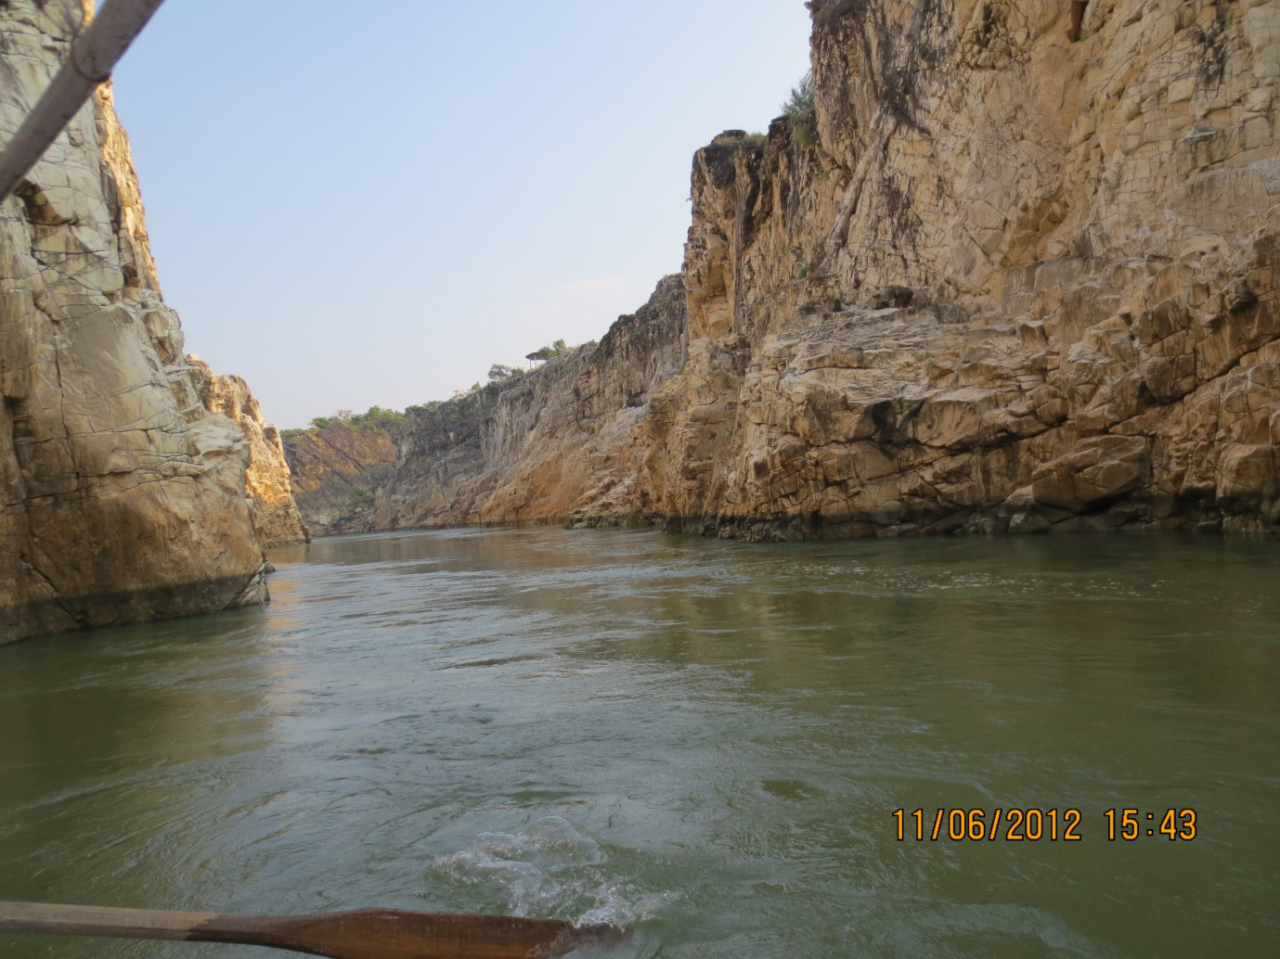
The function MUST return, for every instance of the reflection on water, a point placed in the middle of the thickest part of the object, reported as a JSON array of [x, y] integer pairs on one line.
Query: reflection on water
[[705, 739]]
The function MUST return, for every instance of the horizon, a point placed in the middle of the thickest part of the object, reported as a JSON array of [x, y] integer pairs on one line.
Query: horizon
[[461, 189]]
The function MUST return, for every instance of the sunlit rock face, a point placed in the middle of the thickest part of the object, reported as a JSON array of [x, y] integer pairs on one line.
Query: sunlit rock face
[[267, 481], [123, 498], [564, 442], [1018, 272], [1024, 279]]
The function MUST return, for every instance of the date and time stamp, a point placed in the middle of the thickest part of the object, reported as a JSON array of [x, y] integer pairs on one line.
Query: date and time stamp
[[1042, 825]]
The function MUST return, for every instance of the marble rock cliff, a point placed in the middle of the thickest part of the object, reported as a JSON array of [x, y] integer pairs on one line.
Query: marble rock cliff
[[1017, 271], [122, 497], [562, 442], [335, 469], [268, 483]]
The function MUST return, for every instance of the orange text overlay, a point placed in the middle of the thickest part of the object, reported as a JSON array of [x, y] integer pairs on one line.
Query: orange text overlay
[[1037, 825]]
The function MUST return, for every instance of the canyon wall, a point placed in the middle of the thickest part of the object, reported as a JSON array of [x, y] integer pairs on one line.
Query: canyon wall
[[562, 442], [122, 497], [268, 484], [1017, 271], [335, 469], [1025, 279]]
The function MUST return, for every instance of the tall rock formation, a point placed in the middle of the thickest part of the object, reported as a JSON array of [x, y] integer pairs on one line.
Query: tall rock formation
[[121, 497], [267, 480], [1016, 272], [1025, 278]]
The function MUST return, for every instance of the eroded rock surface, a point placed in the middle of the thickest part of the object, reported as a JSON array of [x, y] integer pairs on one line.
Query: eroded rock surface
[[1022, 281], [563, 442], [1021, 276], [122, 497], [267, 480], [335, 469]]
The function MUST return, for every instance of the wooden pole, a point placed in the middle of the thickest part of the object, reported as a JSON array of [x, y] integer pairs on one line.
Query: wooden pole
[[93, 55], [360, 934]]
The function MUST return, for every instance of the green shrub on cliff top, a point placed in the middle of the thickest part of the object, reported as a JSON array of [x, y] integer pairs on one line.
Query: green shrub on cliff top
[[799, 109], [500, 373], [557, 348], [374, 418], [377, 418]]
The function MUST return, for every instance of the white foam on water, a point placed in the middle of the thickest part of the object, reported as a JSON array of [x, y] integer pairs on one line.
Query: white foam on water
[[552, 869]]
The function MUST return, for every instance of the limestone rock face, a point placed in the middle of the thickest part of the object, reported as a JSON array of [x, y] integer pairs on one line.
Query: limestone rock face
[[563, 442], [121, 497], [335, 469], [267, 481], [1018, 272], [1021, 281]]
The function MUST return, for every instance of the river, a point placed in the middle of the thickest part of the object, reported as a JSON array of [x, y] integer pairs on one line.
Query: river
[[703, 740]]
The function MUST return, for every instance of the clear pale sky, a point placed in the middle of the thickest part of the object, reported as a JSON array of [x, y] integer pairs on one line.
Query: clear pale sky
[[360, 203]]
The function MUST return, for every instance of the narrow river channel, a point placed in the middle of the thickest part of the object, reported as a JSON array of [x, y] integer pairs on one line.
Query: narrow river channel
[[703, 740]]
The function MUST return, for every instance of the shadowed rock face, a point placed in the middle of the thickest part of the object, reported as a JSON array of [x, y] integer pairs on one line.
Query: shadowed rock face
[[121, 496], [1024, 278], [335, 469]]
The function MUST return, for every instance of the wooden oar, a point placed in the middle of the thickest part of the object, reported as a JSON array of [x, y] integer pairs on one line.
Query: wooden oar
[[362, 934]]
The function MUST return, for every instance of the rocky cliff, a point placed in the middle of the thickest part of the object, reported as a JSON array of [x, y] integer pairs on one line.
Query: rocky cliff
[[1017, 271], [1024, 279], [121, 496], [267, 480], [563, 442], [335, 469]]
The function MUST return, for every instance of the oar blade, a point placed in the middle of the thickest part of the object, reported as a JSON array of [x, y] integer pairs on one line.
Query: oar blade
[[394, 934]]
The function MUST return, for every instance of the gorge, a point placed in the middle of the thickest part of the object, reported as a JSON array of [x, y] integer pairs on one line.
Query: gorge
[[1015, 271], [1001, 268], [1011, 268]]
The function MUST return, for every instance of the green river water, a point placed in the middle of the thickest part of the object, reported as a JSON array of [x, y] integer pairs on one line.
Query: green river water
[[703, 740]]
